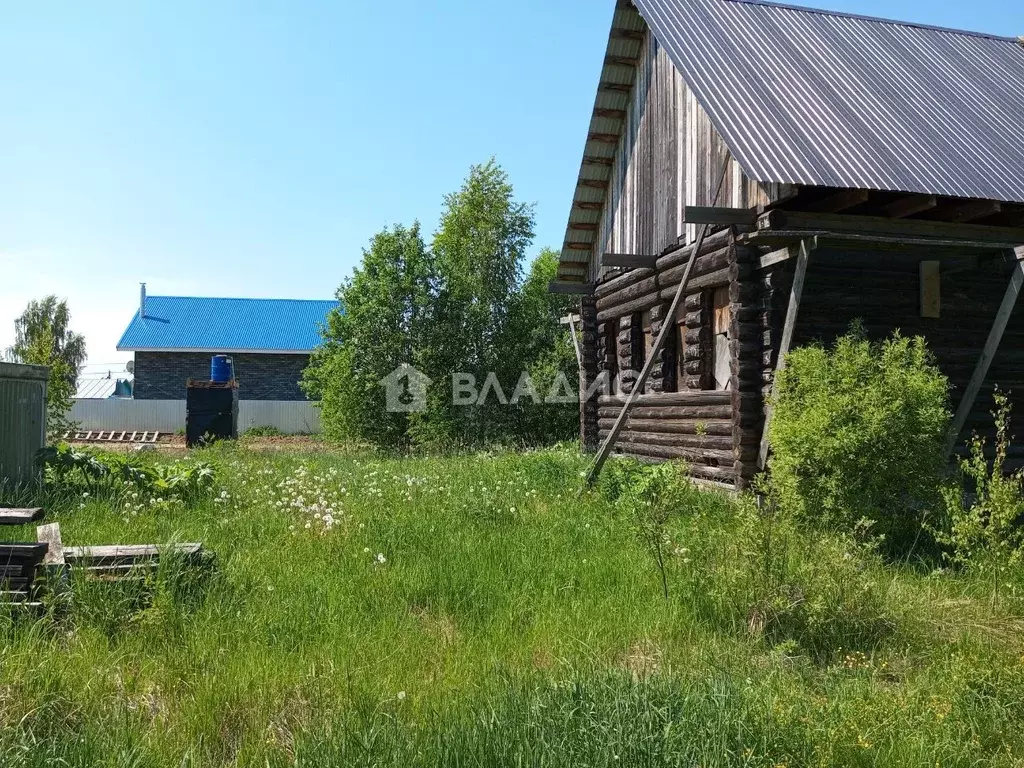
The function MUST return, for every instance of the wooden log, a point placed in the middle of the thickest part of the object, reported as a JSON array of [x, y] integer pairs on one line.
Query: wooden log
[[621, 281], [633, 261], [710, 427], [724, 474], [710, 397], [712, 242], [697, 412], [702, 454]]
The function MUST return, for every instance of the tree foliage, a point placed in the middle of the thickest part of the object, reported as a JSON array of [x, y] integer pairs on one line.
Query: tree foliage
[[858, 435], [465, 305], [43, 336], [381, 323]]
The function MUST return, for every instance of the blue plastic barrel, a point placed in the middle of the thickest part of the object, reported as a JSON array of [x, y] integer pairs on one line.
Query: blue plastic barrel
[[220, 368]]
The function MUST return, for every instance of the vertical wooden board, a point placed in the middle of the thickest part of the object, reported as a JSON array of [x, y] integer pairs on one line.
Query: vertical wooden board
[[930, 289]]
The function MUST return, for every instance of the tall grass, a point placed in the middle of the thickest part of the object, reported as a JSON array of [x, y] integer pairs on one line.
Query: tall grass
[[475, 610]]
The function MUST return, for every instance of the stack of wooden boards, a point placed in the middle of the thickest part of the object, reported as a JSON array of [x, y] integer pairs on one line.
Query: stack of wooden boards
[[22, 563]]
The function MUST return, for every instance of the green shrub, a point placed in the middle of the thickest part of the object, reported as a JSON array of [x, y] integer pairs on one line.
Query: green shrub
[[858, 435], [984, 530]]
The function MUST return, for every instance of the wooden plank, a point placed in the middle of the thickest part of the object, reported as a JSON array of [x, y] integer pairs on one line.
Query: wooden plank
[[876, 225], [702, 214], [988, 353], [576, 345], [635, 261], [115, 552], [20, 515], [564, 286], [852, 239], [50, 533], [910, 205], [666, 328], [775, 257], [930, 279], [840, 201], [796, 291]]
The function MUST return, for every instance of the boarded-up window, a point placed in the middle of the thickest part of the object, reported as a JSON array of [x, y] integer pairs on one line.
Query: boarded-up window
[[720, 319]]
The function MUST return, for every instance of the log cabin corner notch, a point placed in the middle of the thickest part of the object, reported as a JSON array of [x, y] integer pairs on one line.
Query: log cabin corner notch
[[900, 203]]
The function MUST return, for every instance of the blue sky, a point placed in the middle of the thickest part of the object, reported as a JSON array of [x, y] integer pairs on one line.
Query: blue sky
[[252, 149]]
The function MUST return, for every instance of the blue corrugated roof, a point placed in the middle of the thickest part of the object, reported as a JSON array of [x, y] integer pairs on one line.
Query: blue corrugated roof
[[191, 323]]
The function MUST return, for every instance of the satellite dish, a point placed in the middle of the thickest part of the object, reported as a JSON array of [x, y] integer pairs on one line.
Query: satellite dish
[[130, 366]]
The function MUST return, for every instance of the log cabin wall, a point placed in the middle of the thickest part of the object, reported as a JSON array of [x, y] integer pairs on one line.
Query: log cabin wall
[[681, 415], [883, 290], [668, 155]]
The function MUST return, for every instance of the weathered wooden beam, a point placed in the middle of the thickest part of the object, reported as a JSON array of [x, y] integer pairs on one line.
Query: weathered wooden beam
[[592, 183], [988, 353], [565, 286], [702, 214], [50, 533], [619, 33], [877, 225], [582, 226], [610, 87], [604, 138], [803, 254], [594, 160], [910, 205], [621, 61], [571, 320], [611, 114], [20, 515], [640, 261], [780, 255], [840, 201], [586, 205], [975, 209], [659, 343]]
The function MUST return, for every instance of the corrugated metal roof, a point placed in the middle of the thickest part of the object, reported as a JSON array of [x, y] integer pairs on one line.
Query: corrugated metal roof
[[199, 324], [825, 99]]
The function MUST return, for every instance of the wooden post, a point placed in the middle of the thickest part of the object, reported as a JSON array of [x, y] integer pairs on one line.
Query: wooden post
[[988, 352], [803, 254], [54, 565], [666, 328], [570, 320]]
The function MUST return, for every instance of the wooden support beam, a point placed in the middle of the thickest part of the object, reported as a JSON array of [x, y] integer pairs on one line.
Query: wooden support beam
[[585, 205], [611, 114], [592, 183], [777, 257], [609, 87], [582, 226], [618, 33], [564, 286], [50, 533], [877, 225], [840, 201], [594, 160], [803, 255], [573, 246], [975, 209], [910, 205], [638, 386], [604, 138], [628, 260], [570, 320], [988, 353], [621, 61], [700, 214]]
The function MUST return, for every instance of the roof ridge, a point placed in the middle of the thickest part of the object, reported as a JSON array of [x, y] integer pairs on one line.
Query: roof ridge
[[876, 19], [238, 298]]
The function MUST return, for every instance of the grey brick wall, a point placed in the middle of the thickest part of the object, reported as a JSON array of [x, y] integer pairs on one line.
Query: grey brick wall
[[162, 375]]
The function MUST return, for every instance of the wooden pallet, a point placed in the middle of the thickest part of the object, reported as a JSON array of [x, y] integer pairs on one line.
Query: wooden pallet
[[112, 436]]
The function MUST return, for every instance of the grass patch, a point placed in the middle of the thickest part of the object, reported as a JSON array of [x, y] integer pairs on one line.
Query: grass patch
[[474, 610]]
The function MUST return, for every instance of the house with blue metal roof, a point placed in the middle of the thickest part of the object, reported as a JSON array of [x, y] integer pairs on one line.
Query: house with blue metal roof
[[756, 176], [269, 341]]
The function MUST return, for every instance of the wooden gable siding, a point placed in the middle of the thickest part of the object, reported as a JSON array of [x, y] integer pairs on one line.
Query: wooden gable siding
[[669, 156]]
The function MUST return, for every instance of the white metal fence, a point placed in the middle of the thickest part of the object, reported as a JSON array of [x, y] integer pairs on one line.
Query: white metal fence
[[290, 417]]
